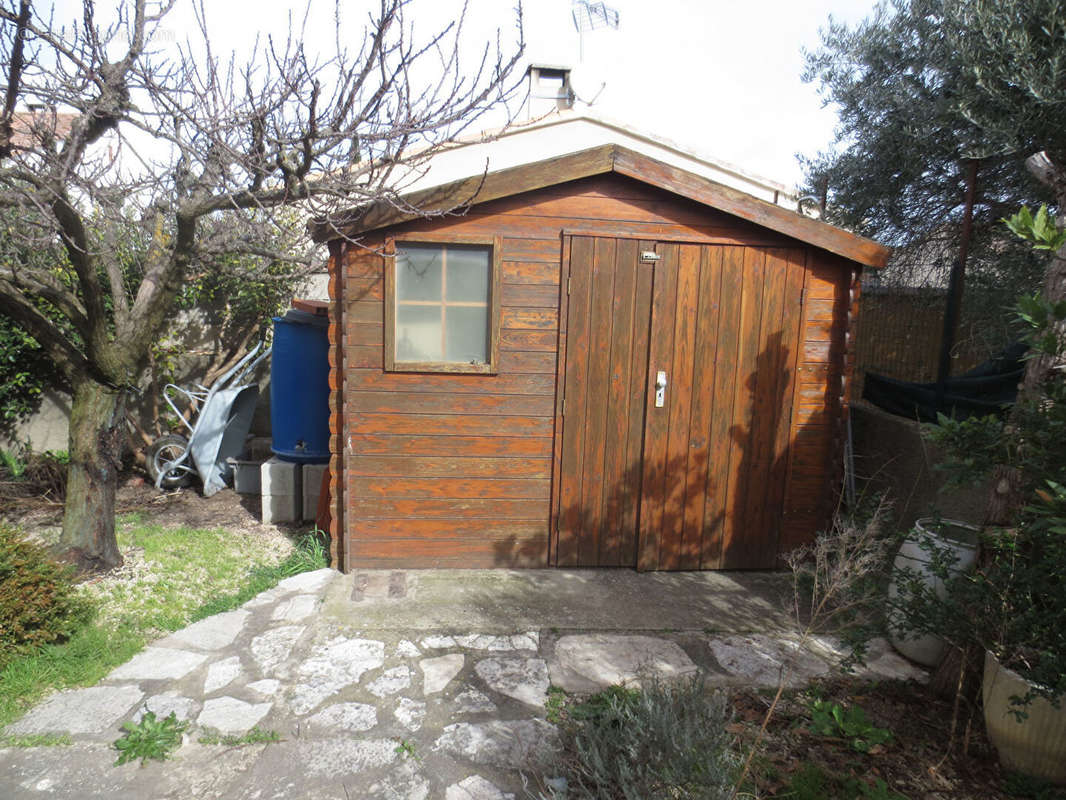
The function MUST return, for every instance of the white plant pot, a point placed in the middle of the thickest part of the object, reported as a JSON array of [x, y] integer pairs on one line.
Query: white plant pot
[[1035, 746], [961, 539]]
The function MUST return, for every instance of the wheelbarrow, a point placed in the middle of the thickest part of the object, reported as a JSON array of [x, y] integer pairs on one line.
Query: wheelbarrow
[[217, 433]]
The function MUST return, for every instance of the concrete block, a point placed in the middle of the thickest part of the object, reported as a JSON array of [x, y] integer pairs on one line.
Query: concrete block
[[312, 484], [280, 507], [247, 477], [280, 477], [281, 490]]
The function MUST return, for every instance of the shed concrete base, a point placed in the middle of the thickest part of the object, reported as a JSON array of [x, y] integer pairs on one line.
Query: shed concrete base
[[502, 601]]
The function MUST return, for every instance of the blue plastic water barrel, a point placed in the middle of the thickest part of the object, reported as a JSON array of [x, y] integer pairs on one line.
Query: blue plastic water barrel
[[299, 389]]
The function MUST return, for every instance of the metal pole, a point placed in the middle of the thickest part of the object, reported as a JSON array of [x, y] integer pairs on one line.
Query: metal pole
[[956, 283]]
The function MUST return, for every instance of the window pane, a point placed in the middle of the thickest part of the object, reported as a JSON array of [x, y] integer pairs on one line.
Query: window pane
[[418, 333], [418, 272], [468, 274], [467, 334]]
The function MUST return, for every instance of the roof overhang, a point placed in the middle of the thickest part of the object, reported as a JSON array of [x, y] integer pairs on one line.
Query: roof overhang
[[594, 161]]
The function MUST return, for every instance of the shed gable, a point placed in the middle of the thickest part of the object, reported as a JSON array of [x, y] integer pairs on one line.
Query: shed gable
[[603, 160]]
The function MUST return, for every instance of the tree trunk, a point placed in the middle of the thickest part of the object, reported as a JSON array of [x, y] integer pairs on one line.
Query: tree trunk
[[96, 437], [1006, 495]]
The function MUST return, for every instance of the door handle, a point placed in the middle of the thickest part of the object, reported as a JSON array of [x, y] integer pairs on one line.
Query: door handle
[[660, 388]]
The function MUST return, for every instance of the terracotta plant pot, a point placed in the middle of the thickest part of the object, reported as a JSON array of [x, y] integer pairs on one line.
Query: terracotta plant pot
[[961, 539], [1035, 746]]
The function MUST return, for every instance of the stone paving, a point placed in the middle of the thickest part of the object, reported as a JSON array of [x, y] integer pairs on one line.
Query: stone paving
[[385, 714]]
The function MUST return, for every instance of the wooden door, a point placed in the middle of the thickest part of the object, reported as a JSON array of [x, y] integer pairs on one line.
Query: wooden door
[[698, 481], [605, 362]]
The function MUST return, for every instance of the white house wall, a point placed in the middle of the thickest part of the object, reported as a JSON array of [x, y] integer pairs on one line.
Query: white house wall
[[569, 132]]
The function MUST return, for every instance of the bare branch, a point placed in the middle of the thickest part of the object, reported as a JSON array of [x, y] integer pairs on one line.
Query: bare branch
[[155, 165], [46, 286], [72, 233], [15, 305], [14, 76]]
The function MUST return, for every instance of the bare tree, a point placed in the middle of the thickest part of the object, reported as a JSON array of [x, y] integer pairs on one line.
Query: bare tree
[[172, 140]]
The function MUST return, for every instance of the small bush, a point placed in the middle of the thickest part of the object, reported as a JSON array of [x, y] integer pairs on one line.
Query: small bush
[[11, 465], [812, 782], [849, 723], [38, 602], [667, 741], [150, 738]]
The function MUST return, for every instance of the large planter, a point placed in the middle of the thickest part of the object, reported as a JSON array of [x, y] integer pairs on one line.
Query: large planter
[[1036, 745], [958, 537]]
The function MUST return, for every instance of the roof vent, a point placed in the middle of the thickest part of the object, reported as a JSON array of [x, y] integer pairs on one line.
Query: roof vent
[[550, 83]]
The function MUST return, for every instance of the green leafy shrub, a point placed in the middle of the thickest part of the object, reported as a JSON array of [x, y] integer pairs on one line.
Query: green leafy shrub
[[1012, 604], [25, 372], [149, 738], [668, 740], [1039, 230], [848, 723], [1026, 786], [812, 782], [38, 601]]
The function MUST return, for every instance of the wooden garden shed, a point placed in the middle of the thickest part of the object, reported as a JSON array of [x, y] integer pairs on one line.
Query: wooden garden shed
[[604, 361]]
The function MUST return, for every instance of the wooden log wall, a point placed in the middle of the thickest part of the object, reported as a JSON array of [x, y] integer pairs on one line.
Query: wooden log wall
[[817, 433]]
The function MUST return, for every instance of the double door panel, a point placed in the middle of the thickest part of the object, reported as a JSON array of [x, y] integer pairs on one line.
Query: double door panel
[[690, 474]]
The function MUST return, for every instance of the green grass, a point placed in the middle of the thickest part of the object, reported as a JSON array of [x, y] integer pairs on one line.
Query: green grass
[[175, 572], [171, 577], [37, 740], [255, 736], [309, 555], [81, 661]]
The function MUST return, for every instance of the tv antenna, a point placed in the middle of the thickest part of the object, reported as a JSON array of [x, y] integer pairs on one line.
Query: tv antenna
[[591, 16]]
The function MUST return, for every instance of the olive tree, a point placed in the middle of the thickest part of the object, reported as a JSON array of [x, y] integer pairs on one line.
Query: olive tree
[[923, 88], [106, 125]]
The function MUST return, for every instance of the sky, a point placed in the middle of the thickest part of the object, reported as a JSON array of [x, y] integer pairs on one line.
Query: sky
[[721, 77]]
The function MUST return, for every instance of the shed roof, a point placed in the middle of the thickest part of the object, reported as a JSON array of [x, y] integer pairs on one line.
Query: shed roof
[[609, 158]]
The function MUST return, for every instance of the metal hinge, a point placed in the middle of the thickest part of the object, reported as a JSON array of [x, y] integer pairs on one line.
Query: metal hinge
[[567, 285], [562, 411], [803, 296]]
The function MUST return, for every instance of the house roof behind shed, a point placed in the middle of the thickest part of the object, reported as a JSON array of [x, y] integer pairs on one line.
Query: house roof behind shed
[[610, 158]]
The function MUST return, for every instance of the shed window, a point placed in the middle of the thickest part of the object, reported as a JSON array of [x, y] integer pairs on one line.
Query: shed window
[[443, 302]]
